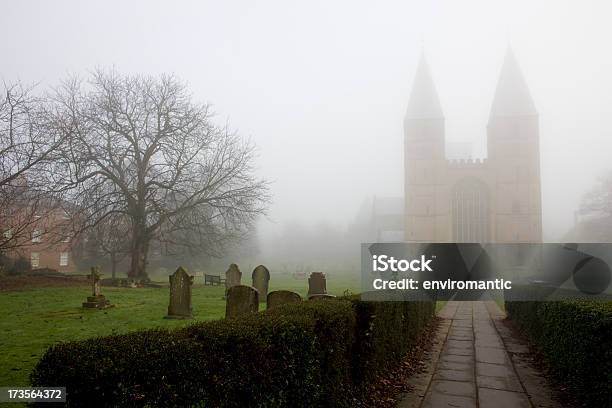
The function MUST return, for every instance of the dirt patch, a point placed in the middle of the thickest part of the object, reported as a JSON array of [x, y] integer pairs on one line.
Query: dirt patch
[[8, 283]]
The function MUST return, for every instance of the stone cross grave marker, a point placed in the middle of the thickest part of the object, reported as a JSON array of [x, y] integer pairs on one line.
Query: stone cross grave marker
[[261, 279], [97, 300], [316, 284], [95, 281], [280, 297], [241, 299], [180, 295]]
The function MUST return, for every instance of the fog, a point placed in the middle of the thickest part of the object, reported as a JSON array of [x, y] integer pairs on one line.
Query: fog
[[321, 87]]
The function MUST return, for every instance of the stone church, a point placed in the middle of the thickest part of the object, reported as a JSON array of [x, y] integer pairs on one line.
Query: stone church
[[495, 199]]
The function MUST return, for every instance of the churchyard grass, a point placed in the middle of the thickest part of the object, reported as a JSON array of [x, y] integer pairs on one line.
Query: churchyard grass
[[34, 319]]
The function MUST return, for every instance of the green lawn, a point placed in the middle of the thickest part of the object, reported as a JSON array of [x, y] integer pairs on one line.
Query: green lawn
[[34, 319]]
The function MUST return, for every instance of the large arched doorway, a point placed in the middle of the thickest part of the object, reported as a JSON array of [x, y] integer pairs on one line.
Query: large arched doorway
[[470, 211]]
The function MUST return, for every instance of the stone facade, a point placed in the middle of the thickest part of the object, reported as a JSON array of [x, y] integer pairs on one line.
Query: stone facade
[[494, 199]]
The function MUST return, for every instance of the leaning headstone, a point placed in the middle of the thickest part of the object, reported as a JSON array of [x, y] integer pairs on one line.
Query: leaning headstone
[[280, 297], [316, 284], [233, 276], [261, 278], [241, 299], [97, 300], [180, 295]]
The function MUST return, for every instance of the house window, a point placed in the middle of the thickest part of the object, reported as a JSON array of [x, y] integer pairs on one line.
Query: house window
[[36, 235], [64, 259], [35, 259]]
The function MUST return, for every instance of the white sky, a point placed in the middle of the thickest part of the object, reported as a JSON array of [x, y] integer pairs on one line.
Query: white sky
[[321, 86]]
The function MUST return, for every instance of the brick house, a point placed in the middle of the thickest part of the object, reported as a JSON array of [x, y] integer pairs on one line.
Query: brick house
[[48, 242]]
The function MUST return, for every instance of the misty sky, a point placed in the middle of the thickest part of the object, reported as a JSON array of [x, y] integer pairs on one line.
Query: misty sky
[[321, 86]]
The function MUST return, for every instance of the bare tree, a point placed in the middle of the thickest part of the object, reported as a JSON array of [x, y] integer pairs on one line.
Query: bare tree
[[141, 148], [27, 147], [595, 213], [111, 238]]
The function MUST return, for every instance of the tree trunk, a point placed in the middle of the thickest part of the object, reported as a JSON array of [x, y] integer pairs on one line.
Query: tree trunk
[[113, 265], [140, 248]]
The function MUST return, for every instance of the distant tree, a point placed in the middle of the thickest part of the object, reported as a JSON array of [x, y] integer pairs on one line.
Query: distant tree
[[142, 149], [27, 150], [598, 202], [111, 238], [595, 212]]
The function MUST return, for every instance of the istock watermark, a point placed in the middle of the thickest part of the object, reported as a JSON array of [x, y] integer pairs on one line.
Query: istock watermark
[[383, 263], [471, 271]]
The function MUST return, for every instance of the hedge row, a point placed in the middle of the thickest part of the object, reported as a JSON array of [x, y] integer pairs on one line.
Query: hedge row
[[316, 353], [575, 338]]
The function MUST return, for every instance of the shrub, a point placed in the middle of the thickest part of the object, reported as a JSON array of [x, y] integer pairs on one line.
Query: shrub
[[316, 353], [386, 332], [575, 340]]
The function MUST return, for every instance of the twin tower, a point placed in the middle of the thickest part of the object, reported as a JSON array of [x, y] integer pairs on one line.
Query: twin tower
[[496, 199]]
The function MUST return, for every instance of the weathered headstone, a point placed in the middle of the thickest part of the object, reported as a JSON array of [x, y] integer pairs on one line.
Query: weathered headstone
[[261, 278], [280, 297], [180, 295], [241, 299], [320, 297], [233, 276], [316, 284], [97, 300]]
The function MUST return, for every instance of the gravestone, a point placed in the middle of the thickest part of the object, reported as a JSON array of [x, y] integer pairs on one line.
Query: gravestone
[[97, 300], [180, 295], [233, 276], [261, 278], [321, 297], [280, 297], [316, 284], [241, 299]]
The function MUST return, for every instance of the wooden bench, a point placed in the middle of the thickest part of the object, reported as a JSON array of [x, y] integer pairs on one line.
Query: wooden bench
[[213, 280]]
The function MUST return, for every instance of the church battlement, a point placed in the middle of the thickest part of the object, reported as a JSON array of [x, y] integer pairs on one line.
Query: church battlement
[[471, 163]]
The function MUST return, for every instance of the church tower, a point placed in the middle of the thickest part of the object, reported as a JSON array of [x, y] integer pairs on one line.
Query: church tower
[[492, 199], [513, 145], [424, 161]]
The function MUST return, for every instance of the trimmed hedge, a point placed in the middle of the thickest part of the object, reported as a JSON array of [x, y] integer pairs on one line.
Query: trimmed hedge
[[575, 338], [317, 353]]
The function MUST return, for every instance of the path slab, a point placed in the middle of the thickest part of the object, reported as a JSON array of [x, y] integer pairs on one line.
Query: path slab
[[488, 398], [438, 400], [491, 355], [478, 362], [460, 388]]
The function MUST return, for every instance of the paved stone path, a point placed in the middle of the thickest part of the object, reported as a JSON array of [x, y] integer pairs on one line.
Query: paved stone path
[[477, 362]]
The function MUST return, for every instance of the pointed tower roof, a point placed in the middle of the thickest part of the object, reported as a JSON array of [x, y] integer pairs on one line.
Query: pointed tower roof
[[424, 102], [512, 96]]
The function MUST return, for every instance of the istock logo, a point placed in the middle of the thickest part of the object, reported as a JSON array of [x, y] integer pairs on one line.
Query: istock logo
[[383, 263]]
